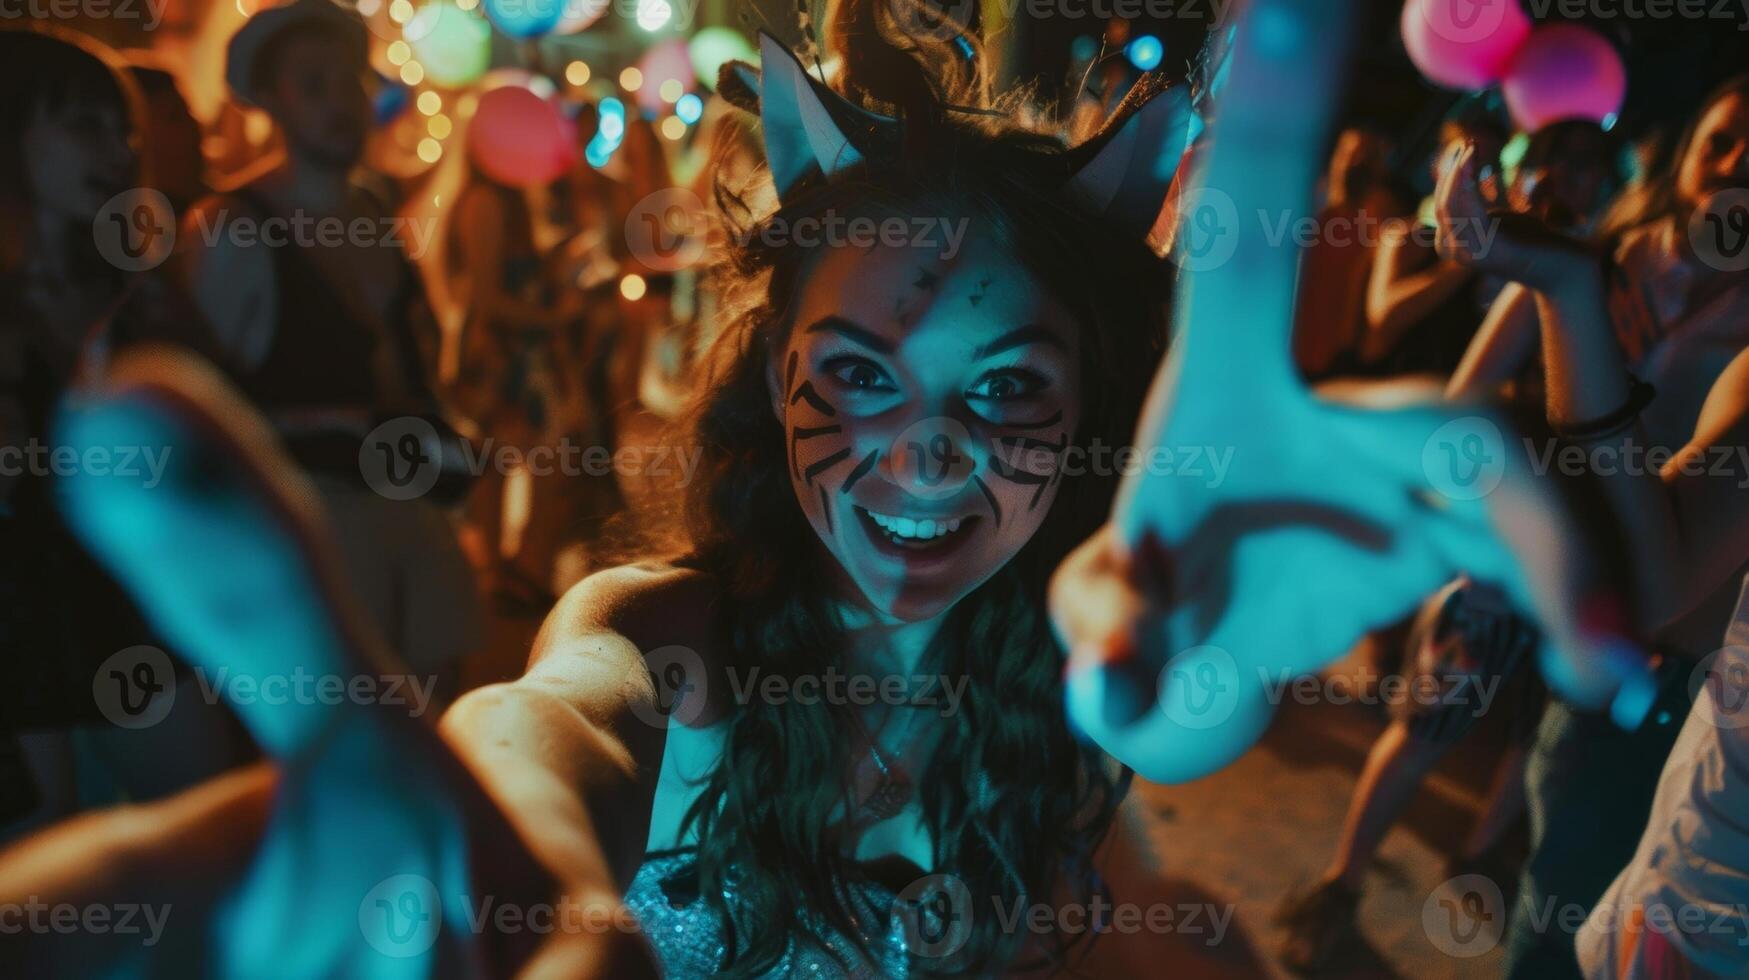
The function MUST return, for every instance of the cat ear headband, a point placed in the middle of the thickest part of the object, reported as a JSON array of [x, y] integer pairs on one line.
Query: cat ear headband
[[1121, 173]]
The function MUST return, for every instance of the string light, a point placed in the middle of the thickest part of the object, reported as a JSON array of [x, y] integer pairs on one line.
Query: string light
[[577, 73], [399, 52], [631, 79], [430, 150], [440, 127], [412, 73], [652, 14], [671, 90], [674, 127], [633, 287], [430, 103], [401, 11]]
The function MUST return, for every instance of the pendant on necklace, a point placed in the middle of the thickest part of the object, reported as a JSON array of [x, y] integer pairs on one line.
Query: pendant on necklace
[[892, 792]]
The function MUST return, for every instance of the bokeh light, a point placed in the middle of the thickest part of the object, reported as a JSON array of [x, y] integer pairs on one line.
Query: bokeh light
[[631, 79], [633, 287], [689, 108], [577, 73]]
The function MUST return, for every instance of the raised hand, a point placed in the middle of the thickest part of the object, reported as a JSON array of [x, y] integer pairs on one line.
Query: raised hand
[[1508, 244], [1336, 515], [382, 857]]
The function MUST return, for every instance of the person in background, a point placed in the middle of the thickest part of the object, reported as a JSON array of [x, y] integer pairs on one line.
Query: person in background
[[517, 376], [1334, 270], [170, 136], [1590, 785], [1694, 852], [67, 155], [1421, 310], [320, 330]]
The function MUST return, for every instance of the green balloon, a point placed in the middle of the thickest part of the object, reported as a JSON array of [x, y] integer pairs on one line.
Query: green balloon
[[454, 45], [714, 47]]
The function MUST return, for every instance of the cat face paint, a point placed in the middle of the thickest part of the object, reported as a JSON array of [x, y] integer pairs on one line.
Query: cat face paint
[[926, 404]]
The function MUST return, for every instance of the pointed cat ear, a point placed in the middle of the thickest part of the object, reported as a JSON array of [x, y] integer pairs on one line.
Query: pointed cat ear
[[1124, 172], [801, 133]]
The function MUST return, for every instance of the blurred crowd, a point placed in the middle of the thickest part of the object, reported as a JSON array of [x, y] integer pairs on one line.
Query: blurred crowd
[[527, 325]]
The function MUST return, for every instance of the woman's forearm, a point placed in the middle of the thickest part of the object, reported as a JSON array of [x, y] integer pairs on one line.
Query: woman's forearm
[[1588, 380], [1501, 348], [1397, 306], [566, 783]]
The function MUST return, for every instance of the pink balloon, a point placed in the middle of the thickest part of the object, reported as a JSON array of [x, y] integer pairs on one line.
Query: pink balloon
[[1564, 72], [518, 138], [1463, 44]]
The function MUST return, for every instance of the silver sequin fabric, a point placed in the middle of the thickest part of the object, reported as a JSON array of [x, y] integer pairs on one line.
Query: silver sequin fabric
[[688, 940]]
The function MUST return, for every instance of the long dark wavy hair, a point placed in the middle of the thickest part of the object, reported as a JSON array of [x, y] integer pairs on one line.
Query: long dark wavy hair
[[1015, 803]]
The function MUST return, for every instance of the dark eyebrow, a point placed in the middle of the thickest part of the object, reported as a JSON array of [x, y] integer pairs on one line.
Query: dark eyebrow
[[1020, 337], [850, 331]]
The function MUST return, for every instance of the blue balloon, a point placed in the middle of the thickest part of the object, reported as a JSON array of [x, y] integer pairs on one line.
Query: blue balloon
[[525, 18]]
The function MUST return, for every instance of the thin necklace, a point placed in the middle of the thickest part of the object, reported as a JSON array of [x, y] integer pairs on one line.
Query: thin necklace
[[893, 788]]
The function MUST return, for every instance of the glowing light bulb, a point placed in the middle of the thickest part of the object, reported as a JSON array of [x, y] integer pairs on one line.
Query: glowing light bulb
[[652, 14]]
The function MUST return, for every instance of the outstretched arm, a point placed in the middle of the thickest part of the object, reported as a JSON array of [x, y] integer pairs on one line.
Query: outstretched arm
[[1501, 348]]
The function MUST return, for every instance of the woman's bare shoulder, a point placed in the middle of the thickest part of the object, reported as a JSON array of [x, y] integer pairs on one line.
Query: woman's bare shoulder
[[651, 604]]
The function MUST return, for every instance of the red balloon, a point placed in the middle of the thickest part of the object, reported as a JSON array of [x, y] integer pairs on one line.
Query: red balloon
[[1564, 72], [518, 138], [1463, 44]]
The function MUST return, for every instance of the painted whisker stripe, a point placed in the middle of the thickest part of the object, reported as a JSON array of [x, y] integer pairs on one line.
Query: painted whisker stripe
[[826, 508], [862, 470], [802, 432], [1039, 481], [807, 393], [1029, 442], [825, 464], [995, 508]]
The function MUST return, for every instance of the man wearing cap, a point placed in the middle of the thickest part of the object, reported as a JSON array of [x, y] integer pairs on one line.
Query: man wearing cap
[[314, 301]]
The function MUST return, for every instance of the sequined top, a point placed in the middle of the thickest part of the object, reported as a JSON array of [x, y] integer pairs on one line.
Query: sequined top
[[687, 934]]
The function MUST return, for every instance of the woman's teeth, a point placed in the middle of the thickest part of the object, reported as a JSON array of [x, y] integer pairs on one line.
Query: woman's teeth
[[906, 528]]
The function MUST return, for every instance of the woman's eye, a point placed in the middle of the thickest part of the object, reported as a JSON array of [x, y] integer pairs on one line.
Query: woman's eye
[[859, 374], [1006, 386]]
